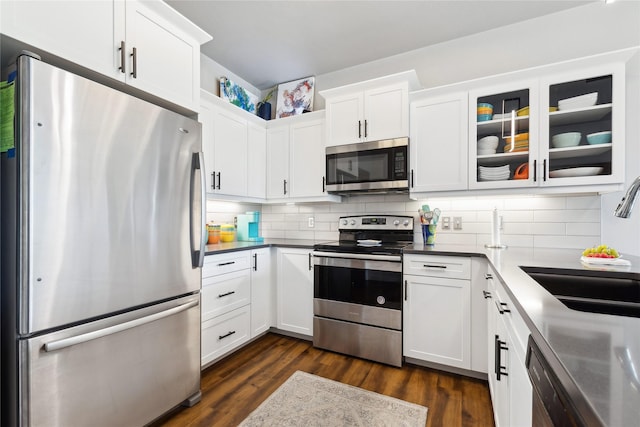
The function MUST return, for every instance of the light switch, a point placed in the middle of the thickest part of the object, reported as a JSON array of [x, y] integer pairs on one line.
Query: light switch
[[446, 223], [457, 223]]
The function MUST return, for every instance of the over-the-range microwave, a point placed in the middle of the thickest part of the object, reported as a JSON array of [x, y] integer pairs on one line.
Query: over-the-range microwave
[[376, 166]]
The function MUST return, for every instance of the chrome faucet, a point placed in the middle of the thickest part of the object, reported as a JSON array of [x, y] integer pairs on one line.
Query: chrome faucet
[[626, 204]]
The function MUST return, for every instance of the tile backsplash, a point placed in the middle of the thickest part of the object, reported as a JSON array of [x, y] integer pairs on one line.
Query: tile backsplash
[[528, 221]]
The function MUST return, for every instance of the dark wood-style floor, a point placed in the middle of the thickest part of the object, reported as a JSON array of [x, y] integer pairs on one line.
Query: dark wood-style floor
[[236, 385]]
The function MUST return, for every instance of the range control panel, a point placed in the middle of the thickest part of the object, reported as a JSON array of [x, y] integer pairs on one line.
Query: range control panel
[[375, 222]]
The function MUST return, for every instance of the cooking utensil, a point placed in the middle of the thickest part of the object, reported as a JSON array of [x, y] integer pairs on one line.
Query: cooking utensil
[[436, 216]]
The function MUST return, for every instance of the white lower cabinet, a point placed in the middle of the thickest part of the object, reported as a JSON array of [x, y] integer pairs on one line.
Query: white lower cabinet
[[295, 291], [509, 384], [262, 294], [224, 333], [437, 309], [226, 299]]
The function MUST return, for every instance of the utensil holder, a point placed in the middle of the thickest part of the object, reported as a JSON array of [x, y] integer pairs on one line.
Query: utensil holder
[[429, 234]]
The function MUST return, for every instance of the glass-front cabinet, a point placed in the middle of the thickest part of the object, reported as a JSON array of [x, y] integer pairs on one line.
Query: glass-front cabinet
[[582, 137], [558, 129], [503, 135]]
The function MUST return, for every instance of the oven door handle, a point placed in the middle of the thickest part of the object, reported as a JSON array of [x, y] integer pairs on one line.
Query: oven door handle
[[368, 257]]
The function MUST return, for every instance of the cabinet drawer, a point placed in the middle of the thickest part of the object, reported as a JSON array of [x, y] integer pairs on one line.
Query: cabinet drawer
[[512, 318], [221, 294], [451, 267], [224, 333], [215, 265]]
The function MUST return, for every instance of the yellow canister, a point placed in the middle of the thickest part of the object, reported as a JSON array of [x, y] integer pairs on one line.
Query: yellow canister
[[214, 233], [227, 233]]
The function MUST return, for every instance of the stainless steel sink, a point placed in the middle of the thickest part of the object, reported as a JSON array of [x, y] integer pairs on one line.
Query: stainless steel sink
[[616, 293]]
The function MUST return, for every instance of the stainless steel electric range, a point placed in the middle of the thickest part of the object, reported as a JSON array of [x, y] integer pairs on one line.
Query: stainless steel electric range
[[357, 302]]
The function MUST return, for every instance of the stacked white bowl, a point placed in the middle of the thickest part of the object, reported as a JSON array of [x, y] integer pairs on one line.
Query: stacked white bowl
[[487, 145]]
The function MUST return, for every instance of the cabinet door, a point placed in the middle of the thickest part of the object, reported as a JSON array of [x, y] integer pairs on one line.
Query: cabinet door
[[437, 320], [230, 154], [345, 119], [262, 294], [278, 185], [206, 116], [257, 161], [584, 104], [87, 33], [439, 144], [166, 61], [513, 162], [502, 349], [520, 392], [295, 291], [492, 332], [306, 159], [479, 292], [386, 112]]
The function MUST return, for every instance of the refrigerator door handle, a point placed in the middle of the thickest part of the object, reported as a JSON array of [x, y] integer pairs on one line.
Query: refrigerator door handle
[[197, 255], [82, 338]]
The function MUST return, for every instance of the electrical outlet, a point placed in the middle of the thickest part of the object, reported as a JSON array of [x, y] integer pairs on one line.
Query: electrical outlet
[[457, 223], [446, 223], [312, 222]]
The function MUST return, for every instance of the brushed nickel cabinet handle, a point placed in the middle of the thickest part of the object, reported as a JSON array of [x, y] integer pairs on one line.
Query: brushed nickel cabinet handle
[[123, 57], [134, 55]]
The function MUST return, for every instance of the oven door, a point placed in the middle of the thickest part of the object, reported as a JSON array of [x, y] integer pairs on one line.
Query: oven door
[[377, 165], [363, 289]]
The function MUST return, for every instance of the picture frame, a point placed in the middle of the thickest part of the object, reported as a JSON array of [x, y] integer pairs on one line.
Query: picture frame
[[237, 95], [295, 97]]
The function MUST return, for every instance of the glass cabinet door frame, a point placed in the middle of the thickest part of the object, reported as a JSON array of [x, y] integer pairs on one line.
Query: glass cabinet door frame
[[532, 85], [617, 108]]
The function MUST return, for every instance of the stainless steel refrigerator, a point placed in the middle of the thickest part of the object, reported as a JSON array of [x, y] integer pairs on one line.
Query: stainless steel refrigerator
[[103, 234]]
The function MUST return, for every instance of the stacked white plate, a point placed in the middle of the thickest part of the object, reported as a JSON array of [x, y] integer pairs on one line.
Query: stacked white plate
[[499, 173]]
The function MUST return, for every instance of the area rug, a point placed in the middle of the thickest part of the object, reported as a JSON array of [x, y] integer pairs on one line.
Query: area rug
[[308, 400]]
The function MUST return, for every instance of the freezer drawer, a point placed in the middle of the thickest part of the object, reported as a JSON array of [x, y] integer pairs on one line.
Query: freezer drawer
[[146, 364]]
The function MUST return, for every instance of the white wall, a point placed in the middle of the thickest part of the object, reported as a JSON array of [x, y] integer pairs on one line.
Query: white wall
[[574, 33], [210, 73]]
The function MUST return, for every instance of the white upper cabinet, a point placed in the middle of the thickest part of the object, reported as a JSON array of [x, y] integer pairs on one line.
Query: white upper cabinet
[[586, 106], [164, 58], [277, 162], [234, 145], [438, 147], [563, 128], [230, 164], [87, 33], [306, 159], [369, 111], [296, 159], [256, 160], [503, 142], [146, 44]]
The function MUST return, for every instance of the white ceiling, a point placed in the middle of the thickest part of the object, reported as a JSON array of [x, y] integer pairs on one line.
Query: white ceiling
[[270, 42]]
